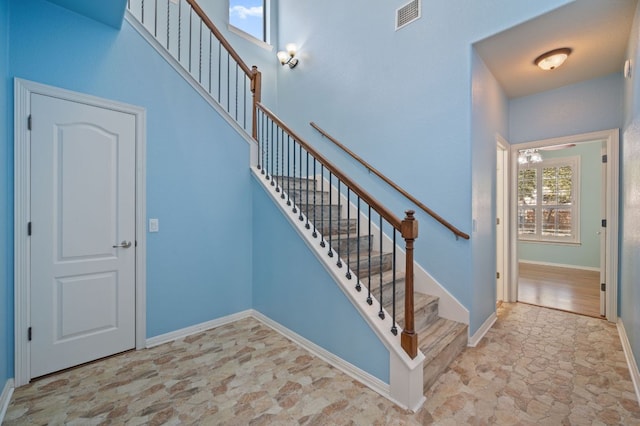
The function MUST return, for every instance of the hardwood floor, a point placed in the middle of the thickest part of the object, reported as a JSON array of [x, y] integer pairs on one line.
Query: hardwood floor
[[572, 290]]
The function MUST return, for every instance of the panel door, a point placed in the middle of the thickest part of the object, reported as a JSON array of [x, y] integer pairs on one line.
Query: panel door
[[83, 229]]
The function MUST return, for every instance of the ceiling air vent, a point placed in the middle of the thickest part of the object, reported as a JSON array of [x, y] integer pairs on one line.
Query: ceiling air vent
[[407, 14]]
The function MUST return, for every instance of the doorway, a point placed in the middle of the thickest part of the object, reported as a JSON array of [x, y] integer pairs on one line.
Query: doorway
[[551, 257], [79, 226]]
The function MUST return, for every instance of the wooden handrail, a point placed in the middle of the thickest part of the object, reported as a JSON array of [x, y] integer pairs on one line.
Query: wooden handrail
[[196, 8], [414, 200], [394, 220]]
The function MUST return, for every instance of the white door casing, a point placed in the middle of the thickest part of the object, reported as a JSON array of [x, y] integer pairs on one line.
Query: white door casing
[[79, 173], [502, 220], [603, 234], [82, 205], [610, 140]]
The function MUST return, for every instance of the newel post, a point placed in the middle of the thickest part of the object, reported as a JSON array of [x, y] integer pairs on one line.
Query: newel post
[[256, 89], [409, 338]]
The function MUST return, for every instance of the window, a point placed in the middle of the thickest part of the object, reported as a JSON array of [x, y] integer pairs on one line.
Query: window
[[249, 16], [548, 207]]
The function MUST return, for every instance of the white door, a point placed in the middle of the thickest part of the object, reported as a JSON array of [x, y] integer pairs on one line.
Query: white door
[[83, 229]]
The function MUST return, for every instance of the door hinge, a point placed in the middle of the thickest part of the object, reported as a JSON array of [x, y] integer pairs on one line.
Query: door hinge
[[604, 223], [29, 122], [604, 158], [497, 221], [497, 275], [603, 287], [29, 334], [29, 228]]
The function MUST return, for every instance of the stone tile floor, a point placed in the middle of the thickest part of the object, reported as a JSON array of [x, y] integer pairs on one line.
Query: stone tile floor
[[534, 367]]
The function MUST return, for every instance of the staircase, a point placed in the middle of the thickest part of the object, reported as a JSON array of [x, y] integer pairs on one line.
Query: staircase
[[362, 243], [440, 340]]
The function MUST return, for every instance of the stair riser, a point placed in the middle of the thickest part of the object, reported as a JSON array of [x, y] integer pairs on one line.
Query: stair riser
[[291, 184], [387, 293], [301, 195], [320, 211], [349, 245], [439, 364], [375, 265], [423, 317], [343, 226]]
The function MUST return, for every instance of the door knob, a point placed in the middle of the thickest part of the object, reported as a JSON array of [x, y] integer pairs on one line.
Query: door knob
[[123, 244]]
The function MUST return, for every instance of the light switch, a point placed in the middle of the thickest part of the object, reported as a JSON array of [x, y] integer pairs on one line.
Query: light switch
[[154, 225]]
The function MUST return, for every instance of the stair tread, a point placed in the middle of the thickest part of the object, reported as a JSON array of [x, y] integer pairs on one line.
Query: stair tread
[[437, 336], [387, 279], [420, 300]]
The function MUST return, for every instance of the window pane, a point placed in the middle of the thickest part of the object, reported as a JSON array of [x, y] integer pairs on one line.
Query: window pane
[[564, 197], [527, 221], [556, 222], [549, 217], [248, 15], [527, 187], [549, 195]]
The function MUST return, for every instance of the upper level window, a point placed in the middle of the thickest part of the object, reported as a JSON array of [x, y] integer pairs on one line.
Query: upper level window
[[548, 207], [249, 16]]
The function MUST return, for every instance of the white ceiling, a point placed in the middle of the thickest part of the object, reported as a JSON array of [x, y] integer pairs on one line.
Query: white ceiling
[[597, 31]]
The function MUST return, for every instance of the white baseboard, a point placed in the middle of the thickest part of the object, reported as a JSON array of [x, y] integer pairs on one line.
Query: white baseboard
[[5, 397], [560, 265], [631, 360], [188, 331], [484, 328], [349, 369]]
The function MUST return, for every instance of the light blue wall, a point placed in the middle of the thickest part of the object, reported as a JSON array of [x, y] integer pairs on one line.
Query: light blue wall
[[293, 288], [259, 54], [629, 299], [6, 331], [108, 12], [198, 183], [587, 254], [578, 108], [402, 101], [489, 119]]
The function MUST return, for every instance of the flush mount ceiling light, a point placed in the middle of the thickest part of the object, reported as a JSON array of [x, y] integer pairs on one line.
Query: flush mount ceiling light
[[553, 58], [529, 156]]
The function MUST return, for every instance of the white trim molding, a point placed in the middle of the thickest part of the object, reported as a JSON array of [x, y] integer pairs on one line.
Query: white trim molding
[[5, 398], [560, 265], [197, 328], [23, 90], [611, 138], [349, 369], [484, 328], [631, 360]]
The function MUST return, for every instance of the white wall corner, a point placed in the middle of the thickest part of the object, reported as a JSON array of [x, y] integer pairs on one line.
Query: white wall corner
[[406, 382], [631, 360], [5, 397], [484, 328]]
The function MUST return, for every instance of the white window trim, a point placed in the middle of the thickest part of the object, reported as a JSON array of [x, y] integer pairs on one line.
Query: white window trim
[[574, 162]]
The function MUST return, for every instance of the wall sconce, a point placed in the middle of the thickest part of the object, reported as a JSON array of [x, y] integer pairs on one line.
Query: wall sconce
[[287, 58], [552, 59]]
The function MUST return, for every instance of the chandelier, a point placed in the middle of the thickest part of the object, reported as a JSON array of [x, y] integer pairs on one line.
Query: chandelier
[[529, 156]]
